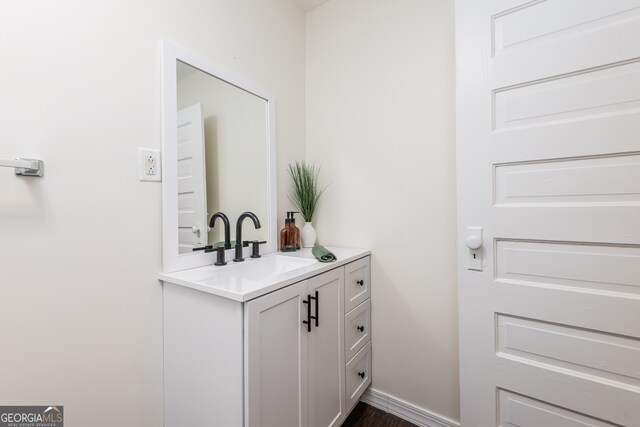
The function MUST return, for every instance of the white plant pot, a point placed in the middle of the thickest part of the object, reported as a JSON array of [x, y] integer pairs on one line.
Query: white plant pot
[[308, 235]]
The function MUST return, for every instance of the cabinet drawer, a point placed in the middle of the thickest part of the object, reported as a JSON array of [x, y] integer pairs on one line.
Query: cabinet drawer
[[358, 328], [357, 283], [358, 375]]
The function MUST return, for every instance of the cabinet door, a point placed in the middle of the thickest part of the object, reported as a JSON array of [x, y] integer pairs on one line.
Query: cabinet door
[[326, 350], [276, 359]]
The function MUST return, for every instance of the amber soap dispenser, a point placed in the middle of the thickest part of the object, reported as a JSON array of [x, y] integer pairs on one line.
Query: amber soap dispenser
[[290, 234]]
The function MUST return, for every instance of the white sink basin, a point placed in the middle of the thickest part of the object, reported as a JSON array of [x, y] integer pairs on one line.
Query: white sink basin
[[264, 268]]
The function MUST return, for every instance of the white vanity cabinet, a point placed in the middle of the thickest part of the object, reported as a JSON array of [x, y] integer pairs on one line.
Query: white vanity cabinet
[[278, 359], [236, 350]]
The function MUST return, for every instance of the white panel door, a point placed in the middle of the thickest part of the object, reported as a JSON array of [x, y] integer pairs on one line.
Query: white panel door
[[192, 191], [548, 128], [326, 350], [276, 359]]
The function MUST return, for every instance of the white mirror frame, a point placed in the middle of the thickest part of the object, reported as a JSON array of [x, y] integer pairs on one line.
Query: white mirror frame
[[172, 260]]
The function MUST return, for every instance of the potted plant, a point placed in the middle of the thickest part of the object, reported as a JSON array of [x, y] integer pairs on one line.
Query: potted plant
[[305, 196]]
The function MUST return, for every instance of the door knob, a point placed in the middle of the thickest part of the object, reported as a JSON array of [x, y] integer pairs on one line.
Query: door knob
[[195, 229], [474, 242]]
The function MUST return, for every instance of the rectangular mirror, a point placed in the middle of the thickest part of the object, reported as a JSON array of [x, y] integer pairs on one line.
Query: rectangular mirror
[[218, 156]]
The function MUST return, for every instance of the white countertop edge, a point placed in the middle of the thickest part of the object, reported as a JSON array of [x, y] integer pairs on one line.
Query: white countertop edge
[[284, 280]]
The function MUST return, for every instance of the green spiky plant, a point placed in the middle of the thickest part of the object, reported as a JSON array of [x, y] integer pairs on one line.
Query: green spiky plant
[[306, 192]]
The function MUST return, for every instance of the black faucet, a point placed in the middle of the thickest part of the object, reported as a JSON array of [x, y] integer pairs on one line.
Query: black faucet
[[256, 223], [227, 227]]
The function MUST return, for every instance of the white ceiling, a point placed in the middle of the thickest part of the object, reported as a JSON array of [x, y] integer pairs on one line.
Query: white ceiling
[[310, 4]]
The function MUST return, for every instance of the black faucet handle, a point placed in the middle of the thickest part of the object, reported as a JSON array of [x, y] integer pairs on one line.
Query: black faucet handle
[[207, 248], [219, 254], [255, 247]]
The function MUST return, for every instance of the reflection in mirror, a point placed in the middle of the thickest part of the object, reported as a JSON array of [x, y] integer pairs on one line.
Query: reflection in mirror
[[218, 156], [222, 151]]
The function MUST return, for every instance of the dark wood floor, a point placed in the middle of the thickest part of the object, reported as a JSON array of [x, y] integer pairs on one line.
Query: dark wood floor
[[364, 415]]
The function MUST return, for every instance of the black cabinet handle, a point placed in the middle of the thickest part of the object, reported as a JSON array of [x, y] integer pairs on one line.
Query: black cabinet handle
[[361, 328], [360, 282], [308, 321], [361, 374], [316, 298]]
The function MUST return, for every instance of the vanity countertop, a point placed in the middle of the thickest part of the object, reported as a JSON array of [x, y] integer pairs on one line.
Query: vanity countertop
[[256, 277]]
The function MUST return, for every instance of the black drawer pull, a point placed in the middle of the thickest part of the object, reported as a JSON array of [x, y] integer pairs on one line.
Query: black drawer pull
[[361, 374], [308, 321], [360, 282], [361, 328], [316, 298]]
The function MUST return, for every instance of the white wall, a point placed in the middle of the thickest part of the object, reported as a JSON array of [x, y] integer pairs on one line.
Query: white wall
[[380, 123], [80, 306]]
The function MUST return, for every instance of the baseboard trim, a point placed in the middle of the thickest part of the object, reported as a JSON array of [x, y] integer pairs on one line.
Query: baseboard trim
[[418, 416]]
